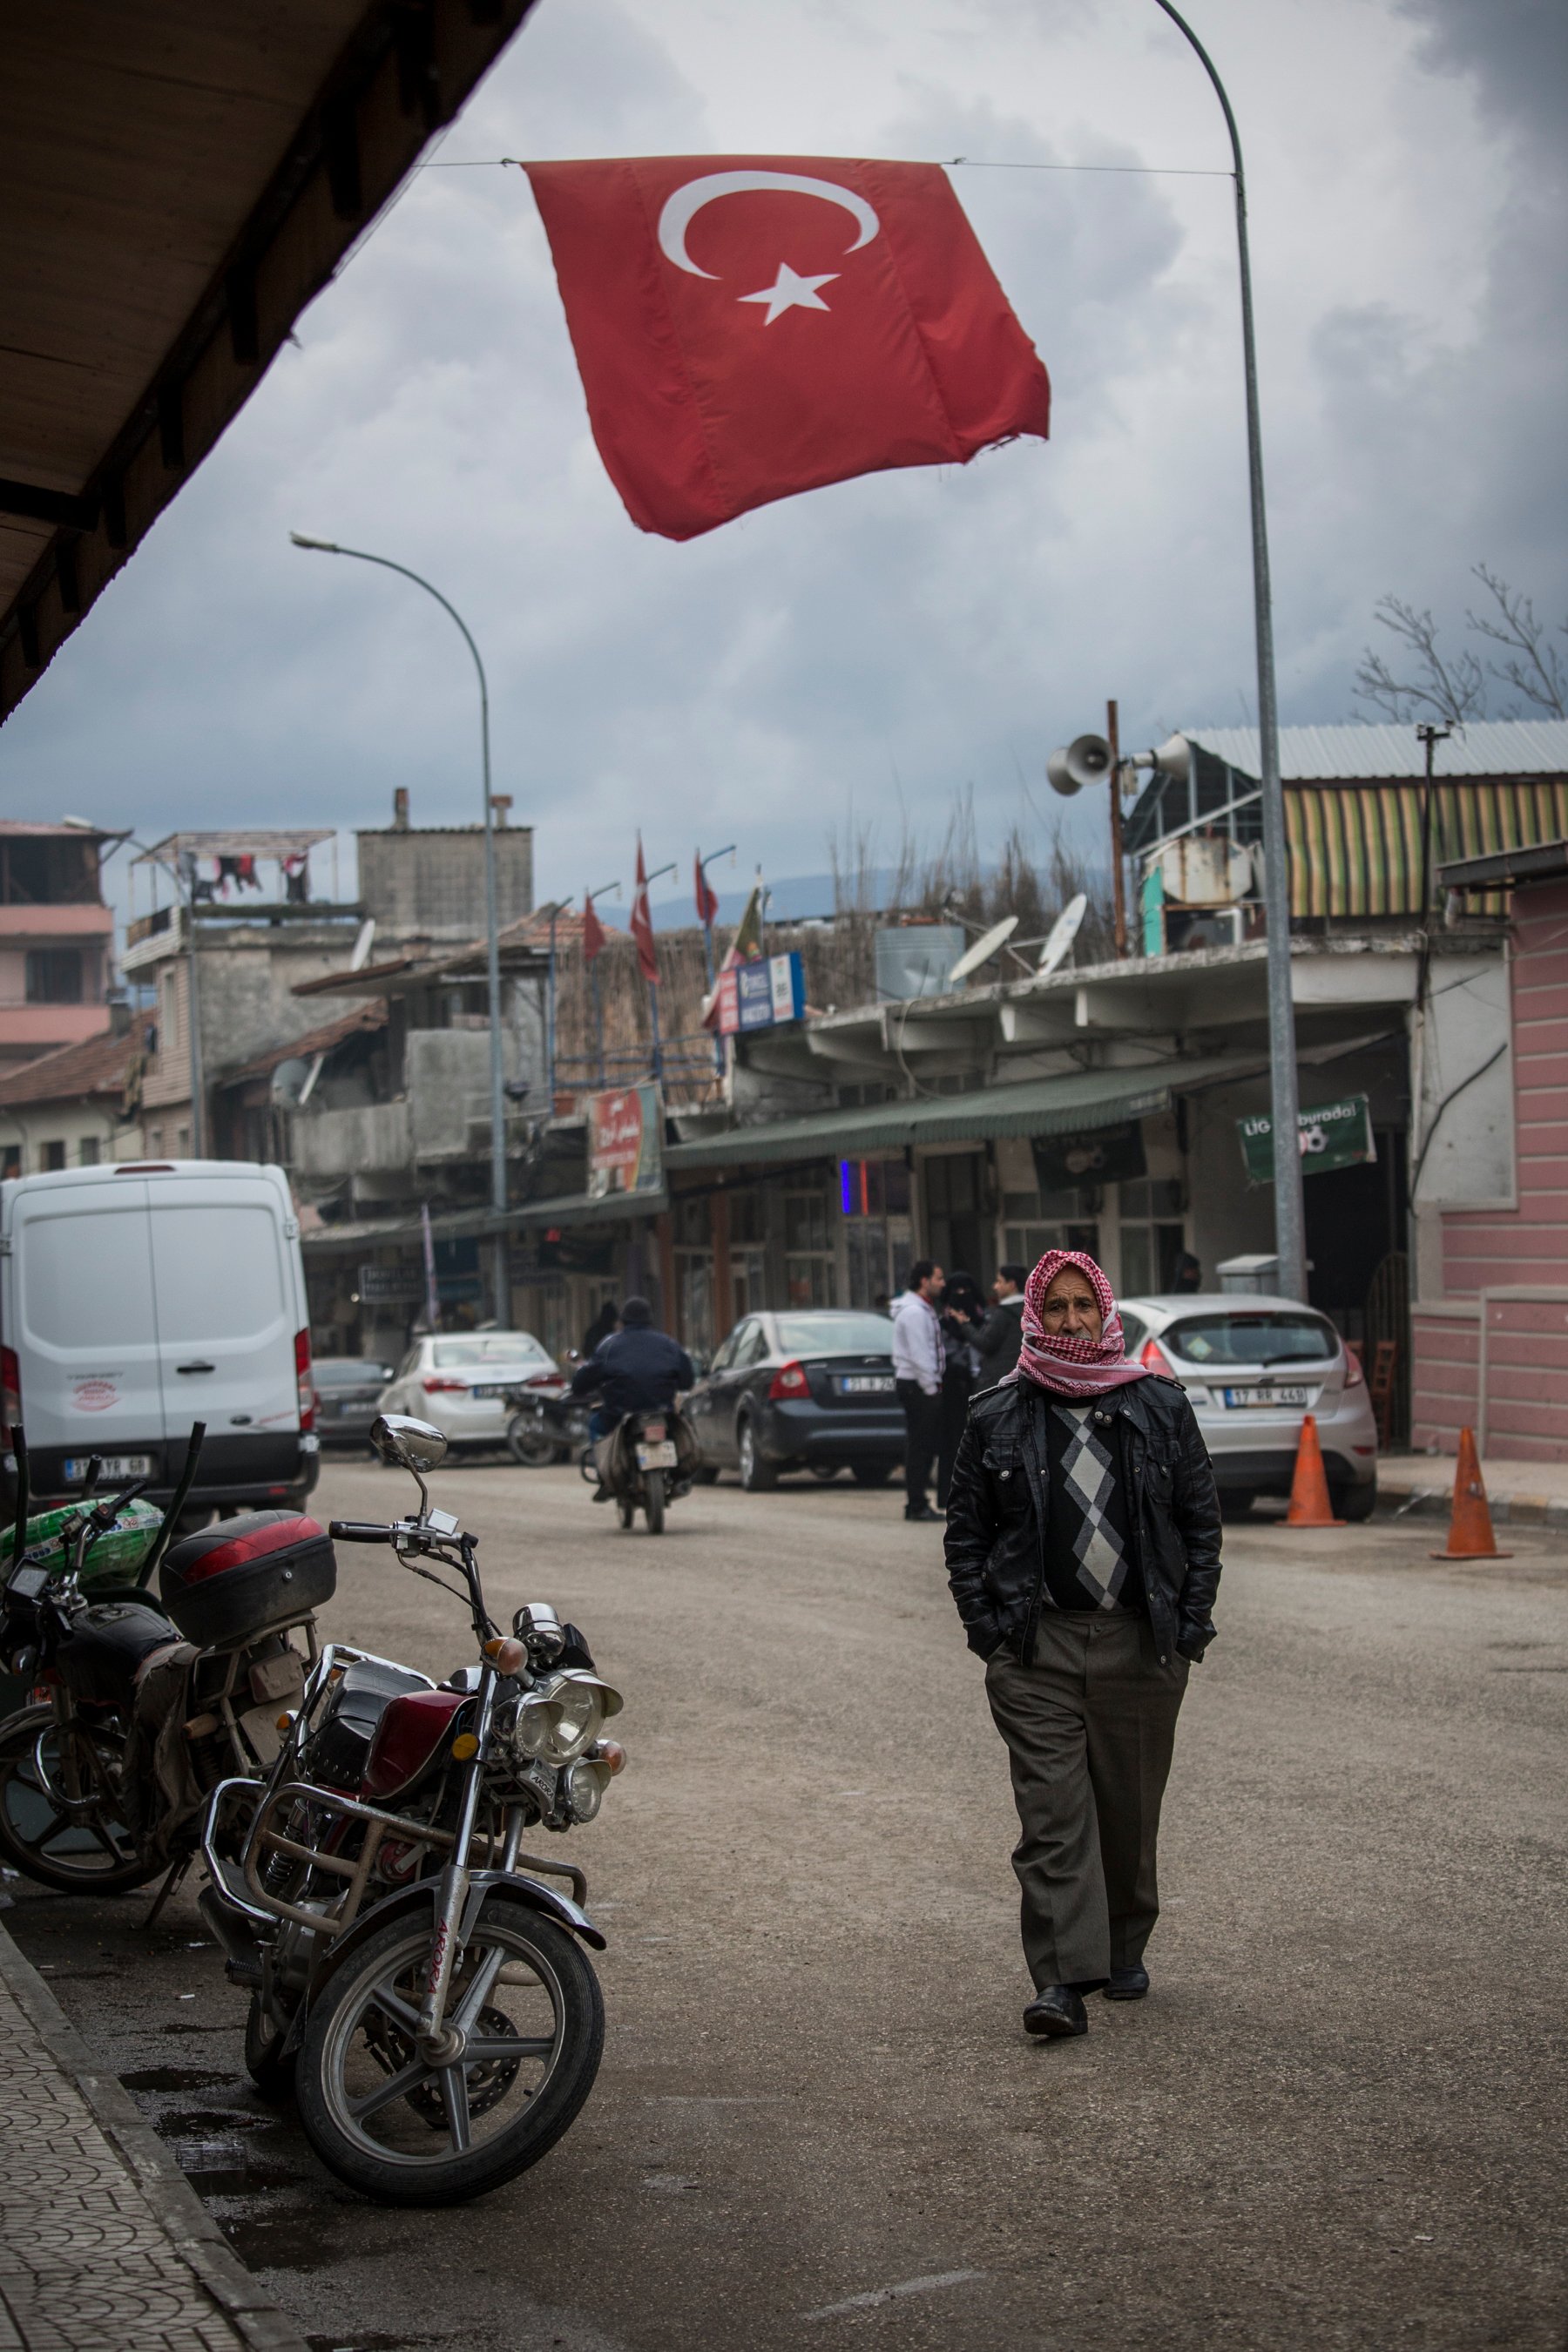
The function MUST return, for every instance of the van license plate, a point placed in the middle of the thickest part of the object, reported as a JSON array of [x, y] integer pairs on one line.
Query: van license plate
[[657, 1457], [1255, 1397], [111, 1465]]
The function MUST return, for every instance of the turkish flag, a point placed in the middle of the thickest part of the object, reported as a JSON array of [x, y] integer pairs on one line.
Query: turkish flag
[[592, 932], [707, 901], [749, 326], [641, 926]]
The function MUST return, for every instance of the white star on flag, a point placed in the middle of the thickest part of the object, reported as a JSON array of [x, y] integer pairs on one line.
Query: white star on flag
[[790, 292]]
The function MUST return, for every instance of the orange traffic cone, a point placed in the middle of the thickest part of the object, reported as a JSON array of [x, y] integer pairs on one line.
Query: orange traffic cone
[[1309, 1504], [1470, 1529]]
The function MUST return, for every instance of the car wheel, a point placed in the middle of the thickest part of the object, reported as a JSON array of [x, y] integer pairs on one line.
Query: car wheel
[[756, 1475], [1236, 1504], [823, 1471], [872, 1473], [1355, 1504], [706, 1473]]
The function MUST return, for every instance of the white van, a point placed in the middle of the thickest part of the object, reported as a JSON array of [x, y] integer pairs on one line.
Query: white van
[[137, 1299]]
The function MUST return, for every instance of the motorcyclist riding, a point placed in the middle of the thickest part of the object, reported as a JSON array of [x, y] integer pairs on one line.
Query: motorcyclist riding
[[636, 1370]]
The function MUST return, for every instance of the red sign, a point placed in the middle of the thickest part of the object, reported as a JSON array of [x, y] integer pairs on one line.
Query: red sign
[[749, 326], [626, 1140]]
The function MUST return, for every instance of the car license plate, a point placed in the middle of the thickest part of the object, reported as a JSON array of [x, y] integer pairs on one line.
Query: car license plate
[[488, 1395], [657, 1457], [111, 1465], [1259, 1397], [866, 1384]]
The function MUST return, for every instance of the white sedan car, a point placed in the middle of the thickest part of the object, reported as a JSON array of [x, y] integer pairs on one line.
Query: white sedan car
[[1252, 1368], [461, 1381]]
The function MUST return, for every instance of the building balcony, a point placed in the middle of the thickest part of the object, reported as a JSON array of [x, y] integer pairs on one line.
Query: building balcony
[[28, 1030], [43, 926], [369, 1138]]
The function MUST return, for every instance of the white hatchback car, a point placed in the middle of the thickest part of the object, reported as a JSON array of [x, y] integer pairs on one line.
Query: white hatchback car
[[462, 1381], [1252, 1368]]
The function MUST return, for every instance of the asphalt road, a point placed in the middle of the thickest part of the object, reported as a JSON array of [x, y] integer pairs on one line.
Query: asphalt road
[[1338, 2120]]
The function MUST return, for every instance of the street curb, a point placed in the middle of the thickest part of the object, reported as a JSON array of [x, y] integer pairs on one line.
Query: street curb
[[195, 2236], [1437, 1502]]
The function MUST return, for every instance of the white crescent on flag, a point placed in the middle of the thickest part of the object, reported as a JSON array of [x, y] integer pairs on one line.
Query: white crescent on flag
[[682, 208]]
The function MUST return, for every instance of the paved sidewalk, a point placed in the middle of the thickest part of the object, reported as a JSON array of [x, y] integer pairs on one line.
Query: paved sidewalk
[[104, 2246], [1525, 1493]]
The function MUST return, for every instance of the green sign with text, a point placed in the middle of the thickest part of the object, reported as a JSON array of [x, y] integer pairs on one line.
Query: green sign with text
[[1334, 1135]]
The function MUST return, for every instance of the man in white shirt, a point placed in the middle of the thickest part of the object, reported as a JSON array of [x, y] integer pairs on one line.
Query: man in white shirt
[[918, 1356]]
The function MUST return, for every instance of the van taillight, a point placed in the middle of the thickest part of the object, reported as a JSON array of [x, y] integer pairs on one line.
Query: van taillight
[[302, 1377], [10, 1393]]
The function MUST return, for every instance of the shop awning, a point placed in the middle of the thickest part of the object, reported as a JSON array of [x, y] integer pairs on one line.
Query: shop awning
[[567, 1210], [1078, 1102]]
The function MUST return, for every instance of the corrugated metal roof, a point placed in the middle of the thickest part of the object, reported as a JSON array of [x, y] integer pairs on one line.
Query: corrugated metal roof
[[1076, 1103], [1493, 747]]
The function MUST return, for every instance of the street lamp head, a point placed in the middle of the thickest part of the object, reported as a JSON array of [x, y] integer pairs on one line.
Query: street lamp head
[[322, 546]]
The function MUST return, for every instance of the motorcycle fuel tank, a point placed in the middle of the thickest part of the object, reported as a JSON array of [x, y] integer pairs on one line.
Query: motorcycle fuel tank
[[413, 1734]]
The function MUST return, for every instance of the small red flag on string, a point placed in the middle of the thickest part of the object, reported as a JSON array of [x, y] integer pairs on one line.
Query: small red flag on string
[[707, 898], [749, 326], [592, 932], [642, 923]]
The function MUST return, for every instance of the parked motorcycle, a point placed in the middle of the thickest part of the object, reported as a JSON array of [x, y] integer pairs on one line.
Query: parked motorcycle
[[546, 1429], [648, 1459], [138, 1711], [427, 1998]]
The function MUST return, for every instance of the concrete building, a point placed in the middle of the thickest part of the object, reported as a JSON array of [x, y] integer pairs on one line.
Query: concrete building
[[1490, 1319], [77, 1106], [428, 881], [57, 939]]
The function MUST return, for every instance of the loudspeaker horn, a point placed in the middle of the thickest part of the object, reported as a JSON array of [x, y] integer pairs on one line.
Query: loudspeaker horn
[[1085, 761], [1175, 758]]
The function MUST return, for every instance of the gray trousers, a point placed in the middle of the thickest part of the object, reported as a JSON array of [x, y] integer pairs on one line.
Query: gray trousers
[[1090, 1729]]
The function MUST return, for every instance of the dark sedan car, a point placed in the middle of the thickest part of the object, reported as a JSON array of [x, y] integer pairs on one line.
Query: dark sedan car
[[811, 1389], [348, 1397]]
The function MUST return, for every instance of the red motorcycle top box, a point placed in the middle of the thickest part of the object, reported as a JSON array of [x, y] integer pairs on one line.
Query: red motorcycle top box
[[228, 1582]]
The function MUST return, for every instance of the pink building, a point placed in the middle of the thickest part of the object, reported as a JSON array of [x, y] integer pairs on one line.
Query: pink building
[[1492, 1351], [56, 941]]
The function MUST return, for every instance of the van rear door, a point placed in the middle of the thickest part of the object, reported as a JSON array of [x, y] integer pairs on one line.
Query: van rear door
[[85, 1332], [222, 1281]]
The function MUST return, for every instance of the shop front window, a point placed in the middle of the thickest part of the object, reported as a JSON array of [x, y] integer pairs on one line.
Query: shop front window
[[953, 1185], [1153, 1236], [1034, 1222], [810, 1268]]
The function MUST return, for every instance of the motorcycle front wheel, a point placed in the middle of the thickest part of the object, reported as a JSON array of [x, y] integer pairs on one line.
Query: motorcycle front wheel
[[529, 1442], [60, 1820], [407, 2133], [653, 1500]]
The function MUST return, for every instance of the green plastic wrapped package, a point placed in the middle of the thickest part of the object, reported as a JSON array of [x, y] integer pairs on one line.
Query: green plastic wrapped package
[[113, 1559]]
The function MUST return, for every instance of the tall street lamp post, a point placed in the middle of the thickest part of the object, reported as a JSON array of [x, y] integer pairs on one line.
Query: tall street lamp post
[[1290, 1229], [500, 1286]]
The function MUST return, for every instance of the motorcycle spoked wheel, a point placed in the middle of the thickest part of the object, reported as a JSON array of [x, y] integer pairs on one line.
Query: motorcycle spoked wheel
[[406, 2133], [79, 1844], [653, 1501], [529, 1443]]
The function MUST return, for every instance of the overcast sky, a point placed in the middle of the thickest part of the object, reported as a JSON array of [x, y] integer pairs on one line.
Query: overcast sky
[[858, 654]]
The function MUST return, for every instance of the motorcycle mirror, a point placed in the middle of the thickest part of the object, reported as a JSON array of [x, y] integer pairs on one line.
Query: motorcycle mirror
[[412, 1444]]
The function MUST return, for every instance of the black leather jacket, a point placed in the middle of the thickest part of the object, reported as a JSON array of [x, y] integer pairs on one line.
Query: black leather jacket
[[635, 1371], [996, 1515]]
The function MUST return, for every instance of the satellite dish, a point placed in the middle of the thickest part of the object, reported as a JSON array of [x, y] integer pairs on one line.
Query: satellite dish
[[1086, 761], [983, 950], [1063, 931], [289, 1080]]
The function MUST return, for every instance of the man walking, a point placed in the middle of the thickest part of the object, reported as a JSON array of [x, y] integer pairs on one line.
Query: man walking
[[1083, 1541], [997, 1339], [919, 1357]]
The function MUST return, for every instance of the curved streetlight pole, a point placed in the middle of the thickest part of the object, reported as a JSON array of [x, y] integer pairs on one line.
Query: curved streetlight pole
[[501, 1286], [1290, 1229]]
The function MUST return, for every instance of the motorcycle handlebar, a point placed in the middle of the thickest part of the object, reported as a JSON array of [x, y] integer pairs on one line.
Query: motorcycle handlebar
[[357, 1531]]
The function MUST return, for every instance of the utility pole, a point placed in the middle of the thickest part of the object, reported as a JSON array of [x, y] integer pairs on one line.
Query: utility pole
[[1119, 900]]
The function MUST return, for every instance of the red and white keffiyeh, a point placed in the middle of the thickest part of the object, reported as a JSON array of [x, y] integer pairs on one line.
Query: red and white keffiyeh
[[1073, 1367]]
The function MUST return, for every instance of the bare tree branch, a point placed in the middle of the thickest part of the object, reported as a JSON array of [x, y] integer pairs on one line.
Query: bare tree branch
[[1455, 691], [1535, 669]]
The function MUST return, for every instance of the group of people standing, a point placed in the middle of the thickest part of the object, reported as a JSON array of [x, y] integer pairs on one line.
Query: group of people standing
[[947, 1347]]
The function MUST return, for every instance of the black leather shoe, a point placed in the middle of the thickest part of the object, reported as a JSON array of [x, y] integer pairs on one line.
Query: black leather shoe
[[1056, 2011], [925, 1512], [1127, 1984]]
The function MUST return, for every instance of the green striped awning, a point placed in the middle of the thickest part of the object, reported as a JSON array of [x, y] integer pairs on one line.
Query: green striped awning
[[1355, 849]]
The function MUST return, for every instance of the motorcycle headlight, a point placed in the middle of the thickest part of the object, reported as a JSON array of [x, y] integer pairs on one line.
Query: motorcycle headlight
[[585, 1788], [560, 1718]]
